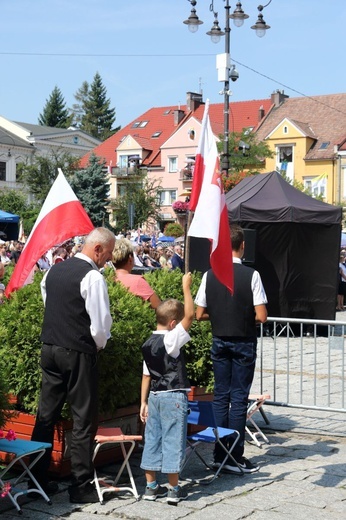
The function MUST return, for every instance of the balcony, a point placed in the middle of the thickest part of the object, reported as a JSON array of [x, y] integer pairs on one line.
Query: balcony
[[186, 174], [130, 171]]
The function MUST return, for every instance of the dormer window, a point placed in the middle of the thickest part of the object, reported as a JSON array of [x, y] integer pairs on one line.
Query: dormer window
[[324, 145]]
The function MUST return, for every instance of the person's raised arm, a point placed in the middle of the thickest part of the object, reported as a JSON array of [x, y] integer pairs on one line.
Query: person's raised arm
[[189, 310]]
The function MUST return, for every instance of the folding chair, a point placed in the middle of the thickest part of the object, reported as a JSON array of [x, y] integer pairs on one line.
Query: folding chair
[[256, 402], [115, 436], [202, 413], [20, 449]]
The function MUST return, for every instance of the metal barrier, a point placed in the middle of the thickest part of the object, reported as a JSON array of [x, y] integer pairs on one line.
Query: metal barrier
[[301, 363]]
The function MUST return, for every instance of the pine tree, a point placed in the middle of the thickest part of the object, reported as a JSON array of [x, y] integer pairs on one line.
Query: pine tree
[[92, 189], [55, 112], [78, 109], [98, 117]]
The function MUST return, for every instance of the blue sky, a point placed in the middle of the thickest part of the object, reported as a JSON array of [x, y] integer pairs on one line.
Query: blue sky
[[147, 56]]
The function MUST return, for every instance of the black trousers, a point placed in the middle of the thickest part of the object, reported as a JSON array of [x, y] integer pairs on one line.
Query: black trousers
[[68, 375]]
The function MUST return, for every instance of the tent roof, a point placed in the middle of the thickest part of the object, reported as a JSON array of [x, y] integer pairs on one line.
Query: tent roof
[[8, 217], [269, 198]]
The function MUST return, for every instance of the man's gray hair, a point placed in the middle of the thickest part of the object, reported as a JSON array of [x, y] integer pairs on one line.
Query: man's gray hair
[[99, 235]]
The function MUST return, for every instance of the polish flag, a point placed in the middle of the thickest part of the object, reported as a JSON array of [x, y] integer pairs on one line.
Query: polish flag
[[62, 216], [208, 202]]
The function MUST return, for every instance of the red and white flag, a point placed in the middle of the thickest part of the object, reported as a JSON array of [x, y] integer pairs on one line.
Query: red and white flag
[[208, 202], [62, 216]]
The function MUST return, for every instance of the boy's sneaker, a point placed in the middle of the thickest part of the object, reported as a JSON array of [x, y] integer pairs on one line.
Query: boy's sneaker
[[174, 496], [244, 464], [154, 493]]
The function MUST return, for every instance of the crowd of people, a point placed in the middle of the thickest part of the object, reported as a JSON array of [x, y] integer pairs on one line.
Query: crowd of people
[[77, 324]]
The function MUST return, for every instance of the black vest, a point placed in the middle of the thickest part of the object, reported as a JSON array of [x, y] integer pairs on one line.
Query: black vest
[[66, 322], [232, 315], [166, 372]]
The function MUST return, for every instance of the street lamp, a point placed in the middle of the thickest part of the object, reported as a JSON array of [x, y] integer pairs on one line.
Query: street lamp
[[223, 62]]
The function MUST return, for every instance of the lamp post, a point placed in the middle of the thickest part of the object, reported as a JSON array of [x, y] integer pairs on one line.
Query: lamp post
[[223, 62]]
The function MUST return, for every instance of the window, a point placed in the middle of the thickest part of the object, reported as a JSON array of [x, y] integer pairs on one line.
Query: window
[[172, 164], [156, 134], [121, 190], [167, 197], [143, 124], [316, 186], [285, 154], [285, 130], [2, 171], [324, 145], [166, 112], [136, 124]]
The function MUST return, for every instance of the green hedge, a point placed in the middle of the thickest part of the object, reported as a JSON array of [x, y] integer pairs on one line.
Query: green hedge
[[120, 363]]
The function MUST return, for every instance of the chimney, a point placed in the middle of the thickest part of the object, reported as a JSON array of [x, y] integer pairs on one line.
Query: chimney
[[278, 97], [193, 100], [178, 115], [260, 113]]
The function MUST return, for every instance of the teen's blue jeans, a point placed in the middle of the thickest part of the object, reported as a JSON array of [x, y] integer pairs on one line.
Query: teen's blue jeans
[[234, 365]]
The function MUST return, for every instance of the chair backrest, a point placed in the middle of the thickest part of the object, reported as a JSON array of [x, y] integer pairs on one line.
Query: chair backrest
[[202, 413]]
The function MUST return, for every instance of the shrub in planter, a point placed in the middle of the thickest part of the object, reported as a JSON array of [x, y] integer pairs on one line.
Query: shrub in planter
[[167, 284], [121, 361], [4, 398]]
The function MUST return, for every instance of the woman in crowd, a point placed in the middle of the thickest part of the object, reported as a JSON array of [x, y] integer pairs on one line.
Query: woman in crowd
[[123, 261]]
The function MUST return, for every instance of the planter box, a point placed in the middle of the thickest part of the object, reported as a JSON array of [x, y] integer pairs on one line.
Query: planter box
[[23, 424], [198, 393]]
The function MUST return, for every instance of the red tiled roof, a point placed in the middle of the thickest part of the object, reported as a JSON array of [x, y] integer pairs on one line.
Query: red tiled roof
[[243, 114], [321, 117]]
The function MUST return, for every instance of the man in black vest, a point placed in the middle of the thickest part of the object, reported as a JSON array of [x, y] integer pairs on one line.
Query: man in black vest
[[76, 326], [233, 320]]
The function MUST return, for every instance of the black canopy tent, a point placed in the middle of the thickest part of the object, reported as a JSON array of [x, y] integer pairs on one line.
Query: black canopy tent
[[9, 225], [297, 244]]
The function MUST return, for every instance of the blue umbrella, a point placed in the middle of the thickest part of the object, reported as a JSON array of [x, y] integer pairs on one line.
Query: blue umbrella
[[166, 239]]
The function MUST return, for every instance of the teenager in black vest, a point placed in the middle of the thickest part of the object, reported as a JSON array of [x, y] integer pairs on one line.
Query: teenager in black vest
[[165, 382], [76, 326], [233, 320]]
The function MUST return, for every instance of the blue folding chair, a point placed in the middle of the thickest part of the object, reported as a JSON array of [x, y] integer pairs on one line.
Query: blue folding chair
[[201, 413], [22, 451]]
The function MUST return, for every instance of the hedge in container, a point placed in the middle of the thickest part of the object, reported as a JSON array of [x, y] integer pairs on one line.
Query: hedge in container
[[121, 361], [167, 284]]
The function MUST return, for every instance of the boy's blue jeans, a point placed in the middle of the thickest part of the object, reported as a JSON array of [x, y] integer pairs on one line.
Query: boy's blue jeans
[[165, 432], [234, 367]]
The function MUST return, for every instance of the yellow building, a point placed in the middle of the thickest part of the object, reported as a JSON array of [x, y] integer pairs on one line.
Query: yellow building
[[307, 136]]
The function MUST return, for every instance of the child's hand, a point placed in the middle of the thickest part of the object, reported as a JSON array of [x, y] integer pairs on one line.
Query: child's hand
[[143, 413], [187, 280]]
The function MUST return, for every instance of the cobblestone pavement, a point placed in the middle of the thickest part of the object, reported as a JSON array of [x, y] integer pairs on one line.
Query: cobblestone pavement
[[302, 471], [302, 476]]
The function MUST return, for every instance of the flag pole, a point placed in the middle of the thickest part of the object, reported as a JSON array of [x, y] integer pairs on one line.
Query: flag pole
[[187, 242]]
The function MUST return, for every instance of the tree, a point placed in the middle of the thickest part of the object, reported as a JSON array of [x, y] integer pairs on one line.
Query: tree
[[55, 112], [246, 157], [142, 193], [92, 188], [78, 109], [16, 202], [97, 116], [39, 176]]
